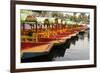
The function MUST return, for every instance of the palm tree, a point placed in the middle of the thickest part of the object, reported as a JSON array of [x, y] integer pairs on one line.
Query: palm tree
[[82, 16], [74, 16], [46, 22]]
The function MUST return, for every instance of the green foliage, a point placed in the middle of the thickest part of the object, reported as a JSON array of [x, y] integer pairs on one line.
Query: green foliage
[[46, 22]]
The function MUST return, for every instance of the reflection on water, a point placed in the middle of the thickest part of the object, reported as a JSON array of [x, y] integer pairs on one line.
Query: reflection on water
[[76, 48]]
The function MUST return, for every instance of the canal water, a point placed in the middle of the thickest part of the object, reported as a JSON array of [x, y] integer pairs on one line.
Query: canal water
[[78, 48], [75, 48]]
